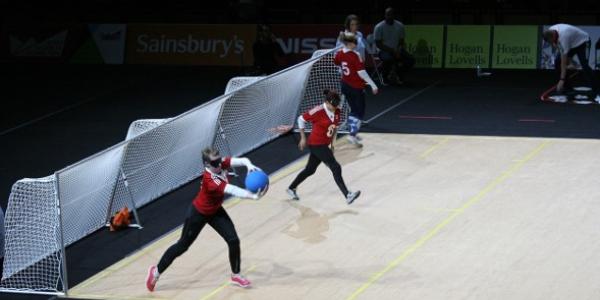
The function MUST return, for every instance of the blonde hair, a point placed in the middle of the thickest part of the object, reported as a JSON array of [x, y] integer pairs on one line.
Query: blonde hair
[[348, 37], [208, 152]]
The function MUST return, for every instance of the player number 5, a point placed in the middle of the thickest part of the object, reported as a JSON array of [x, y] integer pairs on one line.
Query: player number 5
[[345, 68]]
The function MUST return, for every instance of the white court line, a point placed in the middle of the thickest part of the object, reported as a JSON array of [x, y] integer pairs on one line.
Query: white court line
[[415, 94], [50, 114]]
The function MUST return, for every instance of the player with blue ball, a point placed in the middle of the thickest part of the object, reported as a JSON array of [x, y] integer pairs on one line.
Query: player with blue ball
[[207, 208]]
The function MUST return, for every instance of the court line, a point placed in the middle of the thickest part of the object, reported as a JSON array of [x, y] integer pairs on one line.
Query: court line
[[538, 120], [425, 117], [434, 147], [48, 115], [413, 95], [429, 235], [219, 289]]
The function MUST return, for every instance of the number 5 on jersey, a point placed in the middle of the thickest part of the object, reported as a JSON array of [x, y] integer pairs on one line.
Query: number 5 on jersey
[[345, 68]]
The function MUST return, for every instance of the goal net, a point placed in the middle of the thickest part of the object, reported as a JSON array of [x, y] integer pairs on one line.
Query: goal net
[[46, 215]]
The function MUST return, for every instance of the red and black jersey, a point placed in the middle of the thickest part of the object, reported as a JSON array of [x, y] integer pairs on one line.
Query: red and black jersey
[[350, 63], [212, 191], [323, 126]]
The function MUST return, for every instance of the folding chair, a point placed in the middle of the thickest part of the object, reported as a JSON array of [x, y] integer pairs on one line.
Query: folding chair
[[377, 63]]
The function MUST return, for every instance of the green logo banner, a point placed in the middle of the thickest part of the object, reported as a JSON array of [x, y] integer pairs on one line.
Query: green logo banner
[[468, 46], [425, 43], [515, 47]]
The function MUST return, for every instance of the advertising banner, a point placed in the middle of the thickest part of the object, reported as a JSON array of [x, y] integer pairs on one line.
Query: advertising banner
[[189, 44], [548, 54], [426, 44], [515, 47], [467, 46], [104, 44], [299, 41], [47, 42]]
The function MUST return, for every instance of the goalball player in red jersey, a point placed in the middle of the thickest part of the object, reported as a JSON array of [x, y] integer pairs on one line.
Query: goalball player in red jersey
[[325, 119], [354, 78], [207, 208]]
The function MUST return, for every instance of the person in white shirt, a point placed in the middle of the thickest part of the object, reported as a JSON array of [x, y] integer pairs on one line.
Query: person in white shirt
[[571, 41], [389, 38], [351, 26]]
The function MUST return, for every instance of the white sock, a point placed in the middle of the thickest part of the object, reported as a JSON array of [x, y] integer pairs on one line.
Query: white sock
[[155, 273]]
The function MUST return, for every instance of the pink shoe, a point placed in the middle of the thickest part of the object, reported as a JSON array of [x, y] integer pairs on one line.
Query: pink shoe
[[151, 279], [239, 280]]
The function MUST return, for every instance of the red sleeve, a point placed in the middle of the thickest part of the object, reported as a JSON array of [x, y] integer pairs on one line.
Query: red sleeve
[[336, 58], [309, 116], [358, 64], [226, 163], [337, 117]]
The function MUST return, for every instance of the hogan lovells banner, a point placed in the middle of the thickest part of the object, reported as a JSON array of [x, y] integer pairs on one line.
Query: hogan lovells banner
[[190, 44]]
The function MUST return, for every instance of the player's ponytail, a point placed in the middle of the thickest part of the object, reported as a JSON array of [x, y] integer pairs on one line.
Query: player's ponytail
[[332, 97]]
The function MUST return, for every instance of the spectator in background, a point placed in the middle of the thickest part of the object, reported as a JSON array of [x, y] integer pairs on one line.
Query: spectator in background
[[389, 38], [351, 26], [268, 55], [571, 41]]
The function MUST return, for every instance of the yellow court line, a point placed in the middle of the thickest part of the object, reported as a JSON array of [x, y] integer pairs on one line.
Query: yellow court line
[[104, 297], [490, 186], [295, 166], [220, 288], [434, 147]]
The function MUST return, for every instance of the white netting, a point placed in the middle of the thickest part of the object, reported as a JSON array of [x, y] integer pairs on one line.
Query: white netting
[[140, 126], [170, 155], [238, 82], [85, 192], [323, 75], [33, 250], [251, 116], [158, 155]]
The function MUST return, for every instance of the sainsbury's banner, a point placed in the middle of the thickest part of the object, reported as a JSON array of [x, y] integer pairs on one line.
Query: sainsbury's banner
[[547, 55], [225, 45]]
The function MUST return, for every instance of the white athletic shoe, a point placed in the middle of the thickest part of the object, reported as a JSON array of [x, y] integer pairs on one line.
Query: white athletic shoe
[[352, 196], [293, 194], [354, 141]]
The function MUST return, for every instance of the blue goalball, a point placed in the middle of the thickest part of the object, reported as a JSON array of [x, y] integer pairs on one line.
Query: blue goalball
[[256, 180]]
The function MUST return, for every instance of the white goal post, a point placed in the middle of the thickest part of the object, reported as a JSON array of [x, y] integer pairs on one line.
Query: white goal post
[[46, 215]]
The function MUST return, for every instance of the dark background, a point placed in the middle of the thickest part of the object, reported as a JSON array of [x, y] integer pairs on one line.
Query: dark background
[[307, 11]]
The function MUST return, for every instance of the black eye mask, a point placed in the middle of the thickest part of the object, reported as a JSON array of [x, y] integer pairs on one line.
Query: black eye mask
[[215, 163]]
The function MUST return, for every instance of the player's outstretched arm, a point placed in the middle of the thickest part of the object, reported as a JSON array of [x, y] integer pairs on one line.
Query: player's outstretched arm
[[243, 162], [242, 193], [301, 126]]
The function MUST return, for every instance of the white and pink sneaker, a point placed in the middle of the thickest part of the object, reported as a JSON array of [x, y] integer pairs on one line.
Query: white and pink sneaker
[[152, 278], [239, 280]]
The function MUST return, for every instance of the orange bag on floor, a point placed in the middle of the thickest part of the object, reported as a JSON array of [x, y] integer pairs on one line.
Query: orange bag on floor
[[120, 220]]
